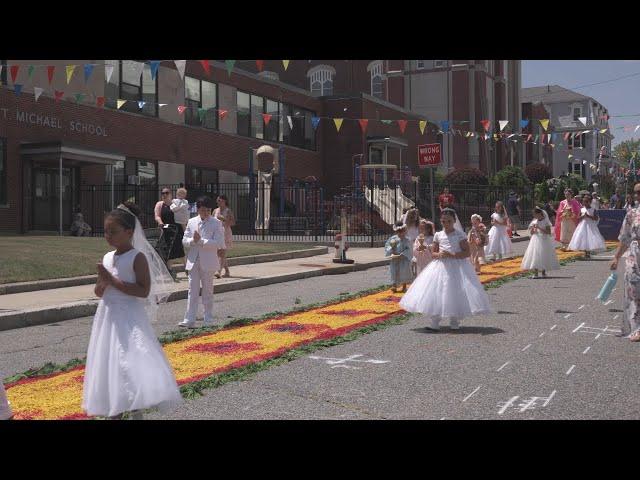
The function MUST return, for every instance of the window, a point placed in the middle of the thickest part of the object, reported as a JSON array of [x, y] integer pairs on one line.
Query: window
[[3, 72], [420, 64], [243, 101], [119, 174], [321, 80], [439, 63], [575, 142], [3, 171], [132, 81], [203, 176], [577, 113], [146, 172], [257, 122], [201, 102], [300, 133], [271, 131], [269, 75], [377, 82]]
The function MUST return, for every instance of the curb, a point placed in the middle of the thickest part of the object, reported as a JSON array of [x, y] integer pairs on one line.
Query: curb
[[69, 311], [22, 287]]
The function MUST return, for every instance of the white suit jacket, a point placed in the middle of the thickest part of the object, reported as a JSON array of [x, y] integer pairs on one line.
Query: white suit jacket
[[206, 250]]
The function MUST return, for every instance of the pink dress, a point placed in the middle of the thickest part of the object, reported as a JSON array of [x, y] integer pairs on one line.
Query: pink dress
[[422, 257], [228, 234]]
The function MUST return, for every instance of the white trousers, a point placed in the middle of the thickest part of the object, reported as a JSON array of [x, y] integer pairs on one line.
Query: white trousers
[[197, 278]]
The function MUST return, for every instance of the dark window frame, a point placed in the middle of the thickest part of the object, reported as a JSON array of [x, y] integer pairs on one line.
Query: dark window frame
[[3, 74], [198, 122], [112, 103], [4, 197]]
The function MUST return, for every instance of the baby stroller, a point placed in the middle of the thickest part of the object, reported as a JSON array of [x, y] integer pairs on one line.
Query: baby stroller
[[169, 245]]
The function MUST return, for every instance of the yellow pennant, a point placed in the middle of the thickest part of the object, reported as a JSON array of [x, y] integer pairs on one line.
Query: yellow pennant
[[70, 70], [338, 122], [604, 130], [422, 124], [545, 123], [120, 103], [286, 64]]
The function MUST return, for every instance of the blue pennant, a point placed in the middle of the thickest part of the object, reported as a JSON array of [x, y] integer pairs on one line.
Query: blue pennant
[[524, 123], [445, 125], [17, 88], [154, 68], [315, 121], [88, 70]]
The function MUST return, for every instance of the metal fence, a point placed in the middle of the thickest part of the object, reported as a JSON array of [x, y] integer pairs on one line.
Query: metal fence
[[299, 212]]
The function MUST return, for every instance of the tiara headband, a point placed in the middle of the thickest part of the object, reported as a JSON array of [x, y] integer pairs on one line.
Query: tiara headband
[[124, 207]]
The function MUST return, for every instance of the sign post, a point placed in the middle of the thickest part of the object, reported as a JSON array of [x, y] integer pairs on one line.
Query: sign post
[[429, 156]]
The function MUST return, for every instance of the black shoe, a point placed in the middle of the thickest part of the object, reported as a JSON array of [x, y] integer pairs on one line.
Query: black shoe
[[516, 234]]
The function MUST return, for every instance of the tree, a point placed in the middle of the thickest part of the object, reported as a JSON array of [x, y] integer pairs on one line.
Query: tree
[[538, 172], [466, 176], [510, 176], [438, 176], [625, 150]]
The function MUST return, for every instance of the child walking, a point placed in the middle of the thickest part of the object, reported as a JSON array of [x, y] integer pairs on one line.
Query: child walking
[[400, 250], [477, 239], [586, 236], [422, 246], [448, 287], [126, 369], [541, 252], [499, 242]]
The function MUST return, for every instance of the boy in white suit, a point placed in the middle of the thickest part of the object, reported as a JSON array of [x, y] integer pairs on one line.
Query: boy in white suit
[[203, 237]]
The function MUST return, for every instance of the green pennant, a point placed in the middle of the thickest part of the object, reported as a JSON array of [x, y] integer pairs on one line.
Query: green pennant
[[79, 97], [387, 122], [31, 69], [230, 64], [201, 113]]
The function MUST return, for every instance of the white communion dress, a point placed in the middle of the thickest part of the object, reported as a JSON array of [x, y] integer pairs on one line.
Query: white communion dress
[[587, 236], [541, 252], [447, 288], [126, 367], [499, 242]]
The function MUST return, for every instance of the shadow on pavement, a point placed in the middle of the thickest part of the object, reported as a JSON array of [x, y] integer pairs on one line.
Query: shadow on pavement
[[463, 330]]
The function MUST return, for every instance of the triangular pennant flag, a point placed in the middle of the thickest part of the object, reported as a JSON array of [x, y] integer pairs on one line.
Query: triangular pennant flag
[[58, 95], [486, 124], [79, 97], [586, 131], [286, 64], [403, 125], [422, 124], [14, 72], [260, 64], [50, 70], [503, 123], [206, 66], [468, 134], [37, 91], [524, 123], [229, 64], [222, 113], [386, 122], [201, 113], [108, 71], [583, 120], [100, 102], [496, 136], [30, 71], [120, 103], [88, 70], [445, 125], [363, 124], [141, 104], [181, 109], [154, 64], [17, 89], [637, 127], [545, 123], [315, 121], [266, 117], [70, 70], [566, 136], [529, 137], [338, 123], [290, 122], [162, 105], [180, 66]]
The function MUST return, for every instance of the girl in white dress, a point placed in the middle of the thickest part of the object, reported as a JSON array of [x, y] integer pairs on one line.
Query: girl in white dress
[[448, 287], [5, 408], [541, 252], [126, 369], [422, 246], [587, 237], [499, 242]]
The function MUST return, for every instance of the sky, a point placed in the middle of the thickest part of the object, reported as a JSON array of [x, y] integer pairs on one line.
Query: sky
[[619, 97]]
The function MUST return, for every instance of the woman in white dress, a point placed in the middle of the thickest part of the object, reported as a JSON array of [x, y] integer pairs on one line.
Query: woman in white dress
[[587, 236], [127, 370], [541, 253], [448, 287], [499, 243]]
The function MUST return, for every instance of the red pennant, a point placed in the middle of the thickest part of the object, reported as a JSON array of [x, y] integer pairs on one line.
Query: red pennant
[[100, 102], [266, 117], [50, 70], [181, 109], [529, 137], [402, 124], [206, 66], [486, 124], [14, 72], [566, 136], [260, 64], [363, 124], [222, 113], [58, 94]]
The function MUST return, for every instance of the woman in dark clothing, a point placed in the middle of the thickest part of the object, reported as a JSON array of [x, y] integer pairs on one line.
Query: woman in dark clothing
[[170, 242]]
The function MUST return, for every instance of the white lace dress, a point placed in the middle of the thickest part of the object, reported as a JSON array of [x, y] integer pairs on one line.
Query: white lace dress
[[126, 367]]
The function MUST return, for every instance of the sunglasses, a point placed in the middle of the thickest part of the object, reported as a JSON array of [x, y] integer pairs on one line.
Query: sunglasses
[[166, 193]]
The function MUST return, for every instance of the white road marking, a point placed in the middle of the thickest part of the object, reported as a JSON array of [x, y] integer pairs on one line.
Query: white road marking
[[571, 369], [540, 336], [598, 336], [443, 418], [553, 327], [608, 302], [526, 347], [580, 307], [549, 398], [469, 396], [578, 327], [567, 315], [508, 404], [507, 363], [586, 350], [616, 316]]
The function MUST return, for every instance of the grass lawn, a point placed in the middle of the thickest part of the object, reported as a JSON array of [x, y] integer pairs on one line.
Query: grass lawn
[[26, 258]]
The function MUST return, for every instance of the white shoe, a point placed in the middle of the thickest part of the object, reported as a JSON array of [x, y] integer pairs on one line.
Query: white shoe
[[187, 324], [435, 324], [454, 324], [208, 323]]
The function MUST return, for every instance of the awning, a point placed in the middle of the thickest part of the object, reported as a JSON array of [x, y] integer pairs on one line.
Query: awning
[[53, 152]]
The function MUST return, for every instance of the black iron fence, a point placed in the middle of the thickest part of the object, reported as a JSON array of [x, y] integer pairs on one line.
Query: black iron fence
[[301, 212]]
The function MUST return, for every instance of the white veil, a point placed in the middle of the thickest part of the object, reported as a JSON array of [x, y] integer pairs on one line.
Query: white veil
[[162, 282], [546, 217], [457, 225]]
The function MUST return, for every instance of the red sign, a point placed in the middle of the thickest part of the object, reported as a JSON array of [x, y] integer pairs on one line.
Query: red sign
[[429, 155]]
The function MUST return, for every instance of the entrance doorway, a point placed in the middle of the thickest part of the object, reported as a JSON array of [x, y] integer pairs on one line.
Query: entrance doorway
[[46, 197]]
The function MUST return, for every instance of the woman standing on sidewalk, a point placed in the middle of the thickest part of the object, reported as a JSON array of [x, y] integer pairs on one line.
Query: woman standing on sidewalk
[[225, 215], [630, 240]]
